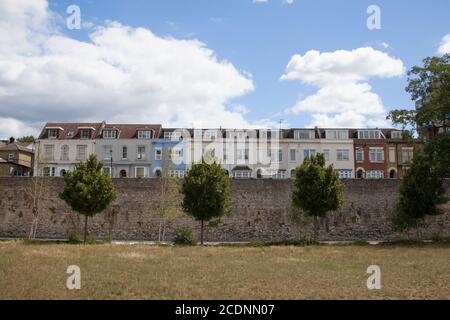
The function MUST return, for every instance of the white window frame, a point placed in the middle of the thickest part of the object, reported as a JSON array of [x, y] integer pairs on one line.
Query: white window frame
[[407, 150], [370, 134], [326, 154], [396, 135], [298, 134], [345, 173], [107, 154], [242, 174], [158, 153], [141, 155], [177, 173], [144, 134], [65, 152], [376, 151], [359, 151], [47, 155], [79, 153], [143, 170], [292, 152], [342, 155], [82, 136], [311, 152], [109, 134], [124, 152], [374, 174], [51, 136], [336, 134]]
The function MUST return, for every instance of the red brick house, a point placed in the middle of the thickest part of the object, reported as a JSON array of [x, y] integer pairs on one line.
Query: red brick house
[[370, 147]]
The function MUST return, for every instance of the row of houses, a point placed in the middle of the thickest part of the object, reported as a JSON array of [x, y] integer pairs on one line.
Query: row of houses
[[140, 151]]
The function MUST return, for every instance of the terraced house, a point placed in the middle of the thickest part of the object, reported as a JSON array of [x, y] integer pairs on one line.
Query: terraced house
[[62, 145], [148, 150], [126, 149]]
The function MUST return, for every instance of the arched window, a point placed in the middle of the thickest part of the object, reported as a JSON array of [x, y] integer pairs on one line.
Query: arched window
[[123, 173], [62, 173], [158, 173], [259, 174]]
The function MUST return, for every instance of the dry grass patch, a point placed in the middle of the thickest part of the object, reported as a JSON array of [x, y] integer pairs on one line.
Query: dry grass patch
[[38, 271]]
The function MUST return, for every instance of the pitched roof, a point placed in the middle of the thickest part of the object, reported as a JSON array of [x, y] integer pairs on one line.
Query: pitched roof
[[15, 147], [129, 131], [71, 130]]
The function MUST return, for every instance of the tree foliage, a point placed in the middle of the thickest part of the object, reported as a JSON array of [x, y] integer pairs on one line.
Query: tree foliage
[[27, 139], [422, 189], [317, 189], [429, 86], [206, 192], [88, 191]]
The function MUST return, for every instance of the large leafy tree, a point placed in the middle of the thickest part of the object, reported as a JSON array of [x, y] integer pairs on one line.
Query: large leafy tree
[[421, 191], [88, 191], [206, 192], [429, 86], [317, 189]]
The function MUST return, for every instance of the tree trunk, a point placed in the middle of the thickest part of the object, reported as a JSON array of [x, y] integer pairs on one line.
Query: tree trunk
[[159, 231], [316, 228], [85, 228], [201, 233]]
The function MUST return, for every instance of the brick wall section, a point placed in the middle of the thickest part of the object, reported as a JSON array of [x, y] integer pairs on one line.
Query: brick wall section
[[260, 212]]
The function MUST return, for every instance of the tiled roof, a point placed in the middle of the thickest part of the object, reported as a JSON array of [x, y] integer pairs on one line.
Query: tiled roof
[[15, 147], [129, 131], [71, 130]]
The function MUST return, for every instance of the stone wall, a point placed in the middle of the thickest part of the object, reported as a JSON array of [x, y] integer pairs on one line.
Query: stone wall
[[260, 211]]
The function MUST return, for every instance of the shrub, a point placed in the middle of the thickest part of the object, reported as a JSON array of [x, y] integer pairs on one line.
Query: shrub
[[107, 239], [91, 240], [183, 236], [74, 238], [438, 237]]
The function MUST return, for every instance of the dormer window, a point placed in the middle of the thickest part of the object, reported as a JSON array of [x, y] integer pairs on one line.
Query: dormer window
[[370, 134], [52, 133], [174, 135], [84, 134], [397, 135], [144, 134], [109, 134], [303, 134], [336, 134]]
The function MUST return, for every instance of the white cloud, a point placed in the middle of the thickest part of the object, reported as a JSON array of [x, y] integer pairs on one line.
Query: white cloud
[[385, 45], [344, 97], [260, 1], [122, 74], [444, 47]]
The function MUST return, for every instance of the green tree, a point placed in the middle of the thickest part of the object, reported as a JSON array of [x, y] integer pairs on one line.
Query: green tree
[[206, 192], [317, 189], [429, 86], [88, 191], [27, 139], [422, 189]]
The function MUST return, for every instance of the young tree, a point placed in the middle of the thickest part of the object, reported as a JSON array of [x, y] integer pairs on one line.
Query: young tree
[[88, 191], [169, 205], [206, 192], [317, 189]]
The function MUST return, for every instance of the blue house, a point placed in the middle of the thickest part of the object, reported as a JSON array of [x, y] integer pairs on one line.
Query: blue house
[[170, 153]]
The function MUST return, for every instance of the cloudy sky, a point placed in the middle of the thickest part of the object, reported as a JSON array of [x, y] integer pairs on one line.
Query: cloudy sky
[[229, 63]]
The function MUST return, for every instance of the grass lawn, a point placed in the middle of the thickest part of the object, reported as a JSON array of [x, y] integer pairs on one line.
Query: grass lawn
[[38, 271]]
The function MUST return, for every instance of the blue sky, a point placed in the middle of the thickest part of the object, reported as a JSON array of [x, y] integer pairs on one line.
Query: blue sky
[[261, 38]]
